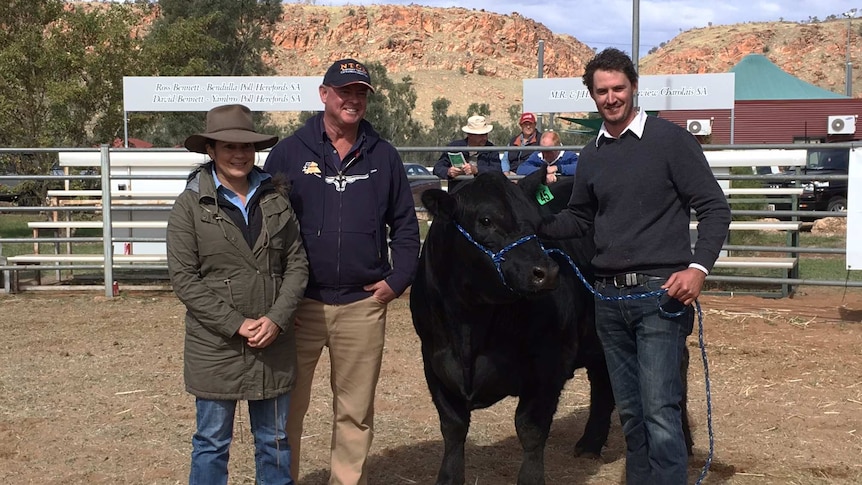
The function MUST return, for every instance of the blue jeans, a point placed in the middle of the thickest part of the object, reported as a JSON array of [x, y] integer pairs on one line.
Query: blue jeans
[[211, 441], [643, 350]]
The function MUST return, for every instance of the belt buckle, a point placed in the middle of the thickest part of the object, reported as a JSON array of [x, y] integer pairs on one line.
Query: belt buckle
[[626, 280]]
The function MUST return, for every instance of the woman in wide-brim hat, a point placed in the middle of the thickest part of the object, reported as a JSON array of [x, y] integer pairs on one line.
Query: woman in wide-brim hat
[[237, 263], [233, 127]]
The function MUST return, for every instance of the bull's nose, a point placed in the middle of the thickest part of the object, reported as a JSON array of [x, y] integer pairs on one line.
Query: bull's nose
[[545, 277]]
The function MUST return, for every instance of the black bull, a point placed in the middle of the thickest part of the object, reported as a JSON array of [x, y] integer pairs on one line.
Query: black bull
[[517, 329]]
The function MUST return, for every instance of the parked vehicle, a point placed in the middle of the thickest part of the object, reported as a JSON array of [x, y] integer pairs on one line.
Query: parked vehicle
[[10, 188], [822, 195], [826, 195], [420, 185]]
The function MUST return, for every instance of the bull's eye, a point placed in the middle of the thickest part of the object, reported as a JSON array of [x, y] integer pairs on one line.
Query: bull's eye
[[485, 221]]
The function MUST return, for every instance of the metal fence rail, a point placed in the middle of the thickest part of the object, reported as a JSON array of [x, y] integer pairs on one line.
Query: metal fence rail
[[107, 208]]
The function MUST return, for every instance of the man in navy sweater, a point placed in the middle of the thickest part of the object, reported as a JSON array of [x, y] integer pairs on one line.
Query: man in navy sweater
[[356, 214], [635, 186]]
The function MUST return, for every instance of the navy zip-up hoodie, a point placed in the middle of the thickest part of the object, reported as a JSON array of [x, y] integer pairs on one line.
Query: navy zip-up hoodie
[[344, 208]]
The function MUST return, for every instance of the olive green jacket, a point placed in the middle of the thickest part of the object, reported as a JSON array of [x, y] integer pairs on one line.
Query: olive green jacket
[[222, 281]]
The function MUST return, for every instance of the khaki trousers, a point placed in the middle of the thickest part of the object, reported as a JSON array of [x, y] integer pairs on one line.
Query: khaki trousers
[[354, 334]]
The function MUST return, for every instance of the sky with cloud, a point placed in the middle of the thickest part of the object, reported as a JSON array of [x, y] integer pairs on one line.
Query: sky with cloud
[[608, 23]]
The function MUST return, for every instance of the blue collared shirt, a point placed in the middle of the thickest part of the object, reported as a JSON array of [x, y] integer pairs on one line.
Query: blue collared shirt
[[255, 178]]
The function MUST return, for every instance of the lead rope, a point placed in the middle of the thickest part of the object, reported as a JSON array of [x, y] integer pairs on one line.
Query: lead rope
[[658, 294], [497, 258]]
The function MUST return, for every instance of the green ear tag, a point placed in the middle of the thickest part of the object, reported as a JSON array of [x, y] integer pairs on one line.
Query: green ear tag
[[544, 195]]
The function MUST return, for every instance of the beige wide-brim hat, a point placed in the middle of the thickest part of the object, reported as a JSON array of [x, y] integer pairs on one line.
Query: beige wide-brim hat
[[229, 123], [476, 125]]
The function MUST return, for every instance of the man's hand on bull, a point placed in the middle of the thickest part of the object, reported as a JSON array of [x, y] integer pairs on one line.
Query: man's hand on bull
[[381, 292], [685, 285]]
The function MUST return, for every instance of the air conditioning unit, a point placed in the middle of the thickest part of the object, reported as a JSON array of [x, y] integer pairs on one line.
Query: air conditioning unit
[[842, 125], [699, 127]]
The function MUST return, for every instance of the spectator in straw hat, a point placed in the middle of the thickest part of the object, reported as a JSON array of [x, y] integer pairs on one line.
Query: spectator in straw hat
[[237, 263], [450, 166]]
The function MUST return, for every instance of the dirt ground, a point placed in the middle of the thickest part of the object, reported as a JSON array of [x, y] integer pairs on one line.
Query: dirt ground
[[91, 392]]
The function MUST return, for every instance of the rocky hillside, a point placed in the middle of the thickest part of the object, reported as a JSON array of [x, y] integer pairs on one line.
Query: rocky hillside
[[468, 55], [814, 53], [463, 55], [416, 38]]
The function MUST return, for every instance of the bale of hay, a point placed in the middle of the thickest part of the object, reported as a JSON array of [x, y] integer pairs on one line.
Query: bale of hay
[[830, 226], [769, 220]]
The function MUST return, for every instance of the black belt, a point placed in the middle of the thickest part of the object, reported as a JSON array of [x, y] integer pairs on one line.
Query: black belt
[[626, 280]]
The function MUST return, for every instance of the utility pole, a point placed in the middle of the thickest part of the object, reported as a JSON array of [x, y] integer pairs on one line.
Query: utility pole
[[848, 74], [636, 37], [540, 75], [636, 32]]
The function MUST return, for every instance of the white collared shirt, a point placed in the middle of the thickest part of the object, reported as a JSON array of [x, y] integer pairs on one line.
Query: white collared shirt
[[636, 127]]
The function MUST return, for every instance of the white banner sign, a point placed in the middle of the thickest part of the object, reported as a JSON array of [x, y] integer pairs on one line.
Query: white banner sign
[[655, 93], [201, 93]]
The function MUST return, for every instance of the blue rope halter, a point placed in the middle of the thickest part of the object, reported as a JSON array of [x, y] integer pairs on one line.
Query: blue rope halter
[[498, 258]]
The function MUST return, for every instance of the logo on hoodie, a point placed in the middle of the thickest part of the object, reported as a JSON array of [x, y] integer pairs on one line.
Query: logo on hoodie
[[339, 182], [311, 168], [342, 181]]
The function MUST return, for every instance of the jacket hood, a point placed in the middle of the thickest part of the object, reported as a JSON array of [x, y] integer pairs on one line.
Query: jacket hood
[[311, 134]]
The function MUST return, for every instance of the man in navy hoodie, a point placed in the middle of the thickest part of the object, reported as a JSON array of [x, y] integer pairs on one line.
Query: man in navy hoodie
[[358, 223]]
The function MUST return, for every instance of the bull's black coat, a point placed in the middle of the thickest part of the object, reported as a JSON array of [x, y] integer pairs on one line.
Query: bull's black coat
[[484, 338]]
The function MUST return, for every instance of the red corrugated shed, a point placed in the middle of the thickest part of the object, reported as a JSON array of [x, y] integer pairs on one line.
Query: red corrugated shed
[[775, 121], [772, 106]]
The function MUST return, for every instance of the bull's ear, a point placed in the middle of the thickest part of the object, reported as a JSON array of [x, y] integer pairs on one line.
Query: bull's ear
[[439, 203], [530, 183]]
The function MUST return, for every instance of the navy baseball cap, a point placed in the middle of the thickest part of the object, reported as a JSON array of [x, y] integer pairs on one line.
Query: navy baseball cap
[[345, 72]]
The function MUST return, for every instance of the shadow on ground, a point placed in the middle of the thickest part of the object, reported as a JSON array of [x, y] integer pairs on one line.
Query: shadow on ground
[[497, 463]]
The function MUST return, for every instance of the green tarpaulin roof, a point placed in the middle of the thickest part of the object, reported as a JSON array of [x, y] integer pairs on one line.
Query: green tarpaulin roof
[[593, 125], [758, 79]]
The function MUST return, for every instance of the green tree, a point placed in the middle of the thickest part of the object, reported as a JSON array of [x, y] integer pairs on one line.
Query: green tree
[[514, 112], [205, 38], [446, 127], [89, 96], [481, 109], [391, 105], [61, 72], [500, 135], [215, 37], [25, 71], [61, 69]]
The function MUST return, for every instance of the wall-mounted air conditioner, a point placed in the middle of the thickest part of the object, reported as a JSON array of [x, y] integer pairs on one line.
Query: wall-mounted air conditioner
[[841, 125], [699, 127]]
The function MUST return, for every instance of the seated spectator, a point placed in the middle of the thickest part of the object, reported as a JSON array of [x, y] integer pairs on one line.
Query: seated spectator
[[528, 136], [473, 162], [559, 162]]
